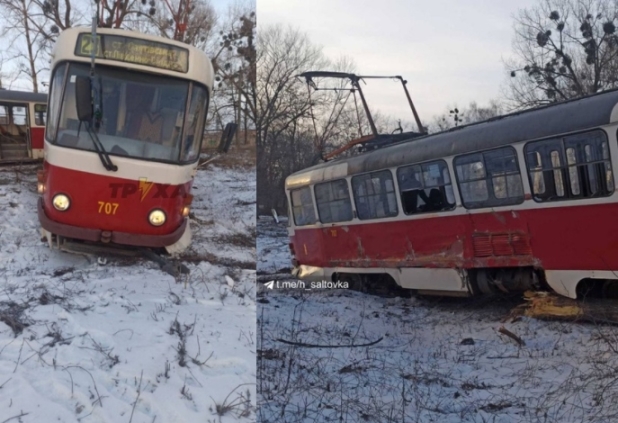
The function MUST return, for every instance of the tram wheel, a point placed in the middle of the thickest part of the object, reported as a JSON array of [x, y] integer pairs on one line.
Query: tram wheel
[[610, 289]]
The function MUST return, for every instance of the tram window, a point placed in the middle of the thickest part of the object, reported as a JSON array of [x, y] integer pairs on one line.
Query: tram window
[[573, 174], [374, 195], [143, 115], [592, 174], [609, 180], [13, 121], [40, 114], [536, 174], [489, 179], [4, 115], [577, 166], [333, 201], [302, 206], [194, 125], [55, 99], [425, 188], [555, 164], [19, 115], [472, 179], [593, 165]]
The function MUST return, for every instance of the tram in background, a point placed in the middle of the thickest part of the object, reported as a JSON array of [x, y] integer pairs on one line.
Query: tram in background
[[522, 201], [22, 125], [124, 131]]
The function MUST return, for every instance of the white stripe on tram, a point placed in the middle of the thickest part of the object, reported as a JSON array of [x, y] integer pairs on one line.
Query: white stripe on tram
[[128, 168]]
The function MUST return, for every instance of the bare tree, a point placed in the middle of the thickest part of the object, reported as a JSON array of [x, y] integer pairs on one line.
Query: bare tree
[[297, 125], [28, 44], [192, 23], [455, 116], [234, 62], [281, 106], [33, 26], [124, 13], [565, 49]]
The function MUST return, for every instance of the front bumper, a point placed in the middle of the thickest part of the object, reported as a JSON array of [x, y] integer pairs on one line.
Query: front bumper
[[310, 273], [98, 235]]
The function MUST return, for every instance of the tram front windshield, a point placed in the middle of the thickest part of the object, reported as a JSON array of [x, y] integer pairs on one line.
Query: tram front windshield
[[142, 115]]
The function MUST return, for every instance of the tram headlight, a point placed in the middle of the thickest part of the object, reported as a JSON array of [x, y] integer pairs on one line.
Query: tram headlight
[[41, 176], [185, 211], [157, 217], [61, 202]]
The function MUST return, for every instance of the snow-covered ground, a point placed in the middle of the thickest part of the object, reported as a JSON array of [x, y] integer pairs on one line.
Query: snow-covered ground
[[273, 254], [429, 360], [125, 342]]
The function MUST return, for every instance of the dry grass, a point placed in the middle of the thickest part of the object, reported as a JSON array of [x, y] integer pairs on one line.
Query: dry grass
[[423, 371]]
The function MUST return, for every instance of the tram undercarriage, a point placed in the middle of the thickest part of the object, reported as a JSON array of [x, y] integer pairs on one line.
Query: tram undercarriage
[[468, 282], [158, 255]]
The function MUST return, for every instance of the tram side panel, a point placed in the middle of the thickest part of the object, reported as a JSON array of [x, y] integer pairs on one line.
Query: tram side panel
[[576, 239], [430, 242], [308, 250]]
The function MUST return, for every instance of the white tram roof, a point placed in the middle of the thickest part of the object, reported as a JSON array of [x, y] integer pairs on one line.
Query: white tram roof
[[200, 68], [22, 96], [553, 120]]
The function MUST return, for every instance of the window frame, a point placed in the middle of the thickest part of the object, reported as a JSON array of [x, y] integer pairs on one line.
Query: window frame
[[444, 166], [70, 65], [302, 205], [492, 201], [566, 168], [40, 114], [53, 121], [335, 200], [394, 192]]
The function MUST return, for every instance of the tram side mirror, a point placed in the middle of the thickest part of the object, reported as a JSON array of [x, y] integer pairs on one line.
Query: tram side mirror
[[83, 98], [227, 137]]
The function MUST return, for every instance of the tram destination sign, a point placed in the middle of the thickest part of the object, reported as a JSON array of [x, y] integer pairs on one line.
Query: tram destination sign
[[134, 50]]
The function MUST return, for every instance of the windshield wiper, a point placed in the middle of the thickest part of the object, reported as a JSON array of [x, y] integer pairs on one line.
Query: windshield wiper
[[103, 156]]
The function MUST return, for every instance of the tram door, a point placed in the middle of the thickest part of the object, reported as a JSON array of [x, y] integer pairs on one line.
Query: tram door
[[14, 134]]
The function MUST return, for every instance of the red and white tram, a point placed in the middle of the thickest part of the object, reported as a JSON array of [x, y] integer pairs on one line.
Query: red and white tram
[[124, 132], [508, 204], [22, 125]]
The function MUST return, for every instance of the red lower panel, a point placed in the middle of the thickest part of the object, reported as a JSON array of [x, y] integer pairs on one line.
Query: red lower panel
[[562, 238], [113, 204], [36, 138]]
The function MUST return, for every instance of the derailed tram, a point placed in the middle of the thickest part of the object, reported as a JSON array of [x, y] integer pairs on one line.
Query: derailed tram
[[523, 201], [122, 143], [22, 124]]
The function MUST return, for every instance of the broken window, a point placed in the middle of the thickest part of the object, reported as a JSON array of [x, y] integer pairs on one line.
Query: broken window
[[425, 188]]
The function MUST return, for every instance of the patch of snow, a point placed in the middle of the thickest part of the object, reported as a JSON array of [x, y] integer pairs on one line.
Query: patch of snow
[[340, 355], [273, 252], [120, 342]]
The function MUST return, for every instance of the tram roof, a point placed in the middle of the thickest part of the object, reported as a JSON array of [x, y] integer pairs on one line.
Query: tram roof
[[26, 96], [541, 122]]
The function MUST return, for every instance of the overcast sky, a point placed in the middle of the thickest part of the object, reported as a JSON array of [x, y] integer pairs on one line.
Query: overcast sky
[[450, 51]]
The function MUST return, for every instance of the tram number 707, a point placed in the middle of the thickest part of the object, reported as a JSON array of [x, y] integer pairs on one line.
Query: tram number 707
[[107, 208]]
